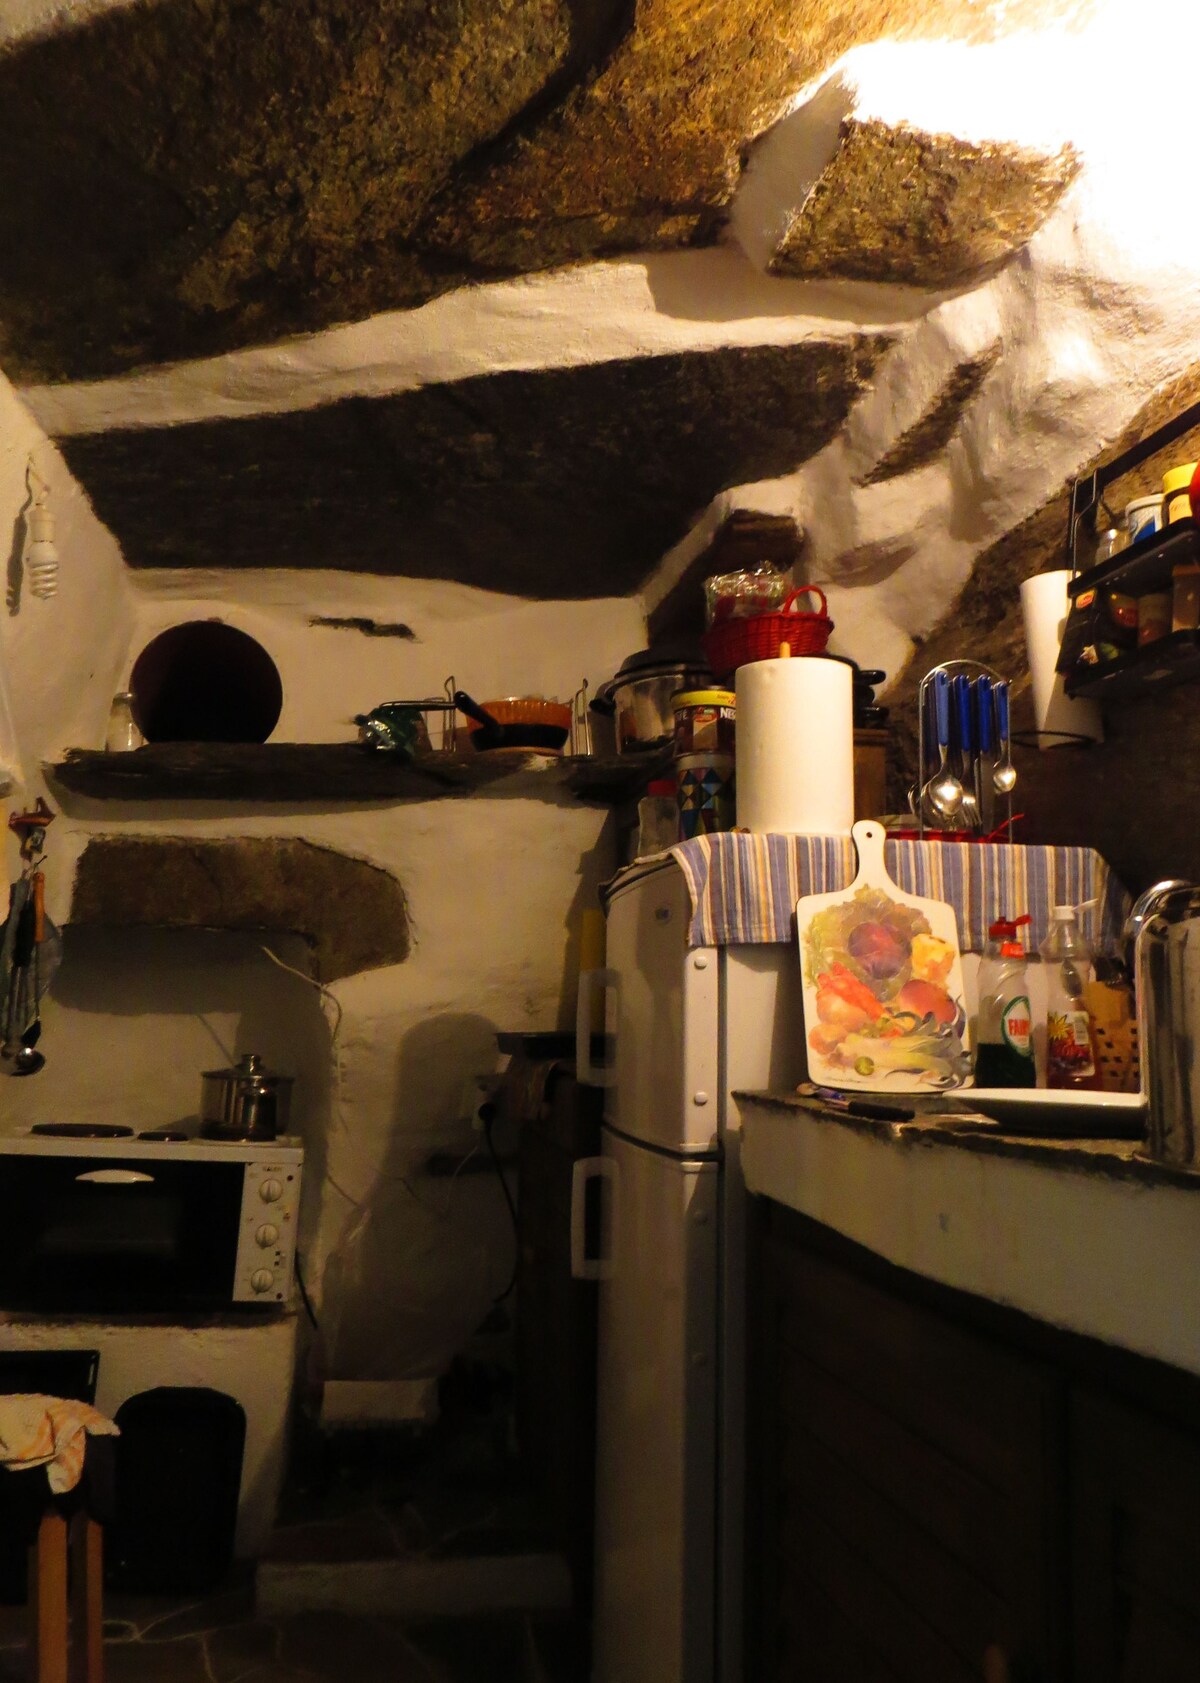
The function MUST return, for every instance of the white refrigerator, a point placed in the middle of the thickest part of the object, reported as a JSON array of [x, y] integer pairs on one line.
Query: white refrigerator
[[689, 1026]]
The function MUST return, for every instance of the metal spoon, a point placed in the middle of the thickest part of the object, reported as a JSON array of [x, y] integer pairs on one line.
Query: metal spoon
[[1004, 776], [943, 790], [27, 1061], [964, 733]]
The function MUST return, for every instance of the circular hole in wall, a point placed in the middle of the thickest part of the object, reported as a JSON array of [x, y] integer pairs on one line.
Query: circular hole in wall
[[205, 681]]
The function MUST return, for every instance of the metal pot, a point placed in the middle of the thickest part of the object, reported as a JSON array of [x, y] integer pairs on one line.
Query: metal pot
[[640, 694], [247, 1102]]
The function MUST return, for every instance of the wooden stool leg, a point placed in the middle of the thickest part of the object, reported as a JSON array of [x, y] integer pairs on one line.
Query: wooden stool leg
[[87, 1600], [48, 1600]]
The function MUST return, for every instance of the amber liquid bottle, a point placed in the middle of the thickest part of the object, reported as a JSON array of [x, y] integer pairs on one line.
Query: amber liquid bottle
[[1071, 1060]]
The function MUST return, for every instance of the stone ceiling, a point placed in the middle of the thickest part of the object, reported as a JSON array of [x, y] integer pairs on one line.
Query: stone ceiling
[[187, 178]]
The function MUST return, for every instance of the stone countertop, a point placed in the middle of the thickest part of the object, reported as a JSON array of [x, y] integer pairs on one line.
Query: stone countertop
[[1119, 1159], [1081, 1233]]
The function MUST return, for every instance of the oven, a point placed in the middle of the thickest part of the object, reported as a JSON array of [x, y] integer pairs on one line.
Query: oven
[[165, 1222]]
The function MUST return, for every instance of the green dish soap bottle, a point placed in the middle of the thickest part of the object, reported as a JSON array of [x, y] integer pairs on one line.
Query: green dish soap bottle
[[1004, 1024]]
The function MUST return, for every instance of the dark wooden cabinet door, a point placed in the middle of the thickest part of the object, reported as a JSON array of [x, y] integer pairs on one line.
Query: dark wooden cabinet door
[[1135, 1545], [910, 1487]]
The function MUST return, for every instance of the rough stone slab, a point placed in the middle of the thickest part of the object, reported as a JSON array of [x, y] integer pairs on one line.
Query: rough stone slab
[[568, 482], [351, 913], [647, 153], [896, 204], [928, 436], [193, 176]]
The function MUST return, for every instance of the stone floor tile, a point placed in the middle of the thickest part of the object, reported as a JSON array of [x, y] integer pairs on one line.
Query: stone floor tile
[[14, 1623], [478, 1650], [164, 1618], [242, 1648], [339, 1646], [182, 1661]]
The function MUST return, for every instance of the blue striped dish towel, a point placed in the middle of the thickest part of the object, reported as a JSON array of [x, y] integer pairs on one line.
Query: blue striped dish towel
[[744, 887]]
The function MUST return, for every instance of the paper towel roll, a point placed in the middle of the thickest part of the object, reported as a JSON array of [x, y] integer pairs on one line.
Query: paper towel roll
[[795, 747], [1044, 606]]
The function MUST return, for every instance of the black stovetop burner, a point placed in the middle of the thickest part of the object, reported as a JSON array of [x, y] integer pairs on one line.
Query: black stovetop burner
[[83, 1130]]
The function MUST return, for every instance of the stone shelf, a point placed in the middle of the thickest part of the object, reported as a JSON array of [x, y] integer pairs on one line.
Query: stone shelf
[[337, 771]]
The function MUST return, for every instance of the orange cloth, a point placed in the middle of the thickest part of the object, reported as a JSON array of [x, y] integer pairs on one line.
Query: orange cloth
[[49, 1432]]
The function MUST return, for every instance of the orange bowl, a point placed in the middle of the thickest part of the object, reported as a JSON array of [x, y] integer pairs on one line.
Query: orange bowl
[[518, 710]]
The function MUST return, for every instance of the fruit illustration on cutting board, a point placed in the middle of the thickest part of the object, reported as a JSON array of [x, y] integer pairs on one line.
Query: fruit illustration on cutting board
[[883, 991]]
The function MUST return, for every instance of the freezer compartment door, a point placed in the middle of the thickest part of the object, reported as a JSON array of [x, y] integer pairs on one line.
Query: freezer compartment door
[[664, 1005], [656, 1428]]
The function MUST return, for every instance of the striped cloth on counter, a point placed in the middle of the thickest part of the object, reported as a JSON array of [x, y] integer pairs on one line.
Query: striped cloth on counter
[[744, 887]]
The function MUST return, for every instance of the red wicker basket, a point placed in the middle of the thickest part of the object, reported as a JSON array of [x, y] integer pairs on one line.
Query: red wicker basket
[[731, 643]]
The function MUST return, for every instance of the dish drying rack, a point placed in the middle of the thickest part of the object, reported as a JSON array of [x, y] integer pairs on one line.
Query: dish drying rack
[[441, 711]]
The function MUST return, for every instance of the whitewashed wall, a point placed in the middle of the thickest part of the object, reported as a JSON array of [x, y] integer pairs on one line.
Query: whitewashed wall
[[494, 885]]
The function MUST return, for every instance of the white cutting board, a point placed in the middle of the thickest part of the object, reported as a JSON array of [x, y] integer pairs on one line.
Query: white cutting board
[[884, 1007]]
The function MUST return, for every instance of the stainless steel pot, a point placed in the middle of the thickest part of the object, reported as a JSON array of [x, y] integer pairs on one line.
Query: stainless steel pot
[[639, 696], [247, 1102]]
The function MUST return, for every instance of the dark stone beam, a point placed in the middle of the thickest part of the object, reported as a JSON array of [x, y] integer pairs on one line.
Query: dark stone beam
[[561, 483], [926, 439], [352, 914]]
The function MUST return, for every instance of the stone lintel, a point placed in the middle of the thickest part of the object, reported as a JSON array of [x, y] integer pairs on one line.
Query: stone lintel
[[352, 914]]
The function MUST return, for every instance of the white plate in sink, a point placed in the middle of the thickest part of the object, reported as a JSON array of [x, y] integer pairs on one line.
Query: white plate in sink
[[1063, 1113]]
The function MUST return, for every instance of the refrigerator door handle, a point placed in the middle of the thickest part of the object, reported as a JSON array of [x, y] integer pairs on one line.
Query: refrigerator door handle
[[592, 986], [583, 1266]]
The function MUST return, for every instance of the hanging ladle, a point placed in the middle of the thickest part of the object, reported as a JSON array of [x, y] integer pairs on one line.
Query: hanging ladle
[[943, 791]]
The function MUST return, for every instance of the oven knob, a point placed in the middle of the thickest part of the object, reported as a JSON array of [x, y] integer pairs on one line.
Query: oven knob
[[267, 1235], [262, 1279], [271, 1191]]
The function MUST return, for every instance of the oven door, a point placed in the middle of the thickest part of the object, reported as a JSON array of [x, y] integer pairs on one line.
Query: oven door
[[115, 1233]]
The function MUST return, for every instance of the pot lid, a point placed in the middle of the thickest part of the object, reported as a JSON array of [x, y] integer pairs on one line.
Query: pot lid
[[680, 656], [250, 1067]]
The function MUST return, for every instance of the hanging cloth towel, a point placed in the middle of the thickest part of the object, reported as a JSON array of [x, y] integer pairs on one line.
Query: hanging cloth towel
[[50, 1432]]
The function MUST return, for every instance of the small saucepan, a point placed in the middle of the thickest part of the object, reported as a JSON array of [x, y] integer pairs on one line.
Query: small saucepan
[[517, 722]]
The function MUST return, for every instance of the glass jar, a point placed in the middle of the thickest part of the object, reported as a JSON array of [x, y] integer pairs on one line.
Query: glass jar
[[122, 733]]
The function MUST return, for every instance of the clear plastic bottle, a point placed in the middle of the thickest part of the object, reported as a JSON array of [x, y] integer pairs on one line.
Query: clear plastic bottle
[[1070, 1040], [122, 734], [1004, 1024]]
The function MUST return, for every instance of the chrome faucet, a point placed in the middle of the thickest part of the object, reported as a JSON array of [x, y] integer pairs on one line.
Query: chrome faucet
[[1163, 935]]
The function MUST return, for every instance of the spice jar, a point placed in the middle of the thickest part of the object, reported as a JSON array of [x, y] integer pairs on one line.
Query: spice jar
[[1154, 616], [1176, 503]]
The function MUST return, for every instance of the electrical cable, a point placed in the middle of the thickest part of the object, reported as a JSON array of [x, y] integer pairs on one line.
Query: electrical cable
[[308, 1308], [487, 1114], [359, 1204]]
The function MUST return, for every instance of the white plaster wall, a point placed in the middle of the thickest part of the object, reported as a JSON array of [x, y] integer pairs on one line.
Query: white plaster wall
[[403, 1267], [59, 657], [250, 1360]]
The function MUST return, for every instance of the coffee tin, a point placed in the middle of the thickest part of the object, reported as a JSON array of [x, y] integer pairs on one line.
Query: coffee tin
[[704, 721]]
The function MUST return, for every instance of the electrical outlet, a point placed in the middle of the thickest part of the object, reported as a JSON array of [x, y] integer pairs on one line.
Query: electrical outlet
[[478, 1091]]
